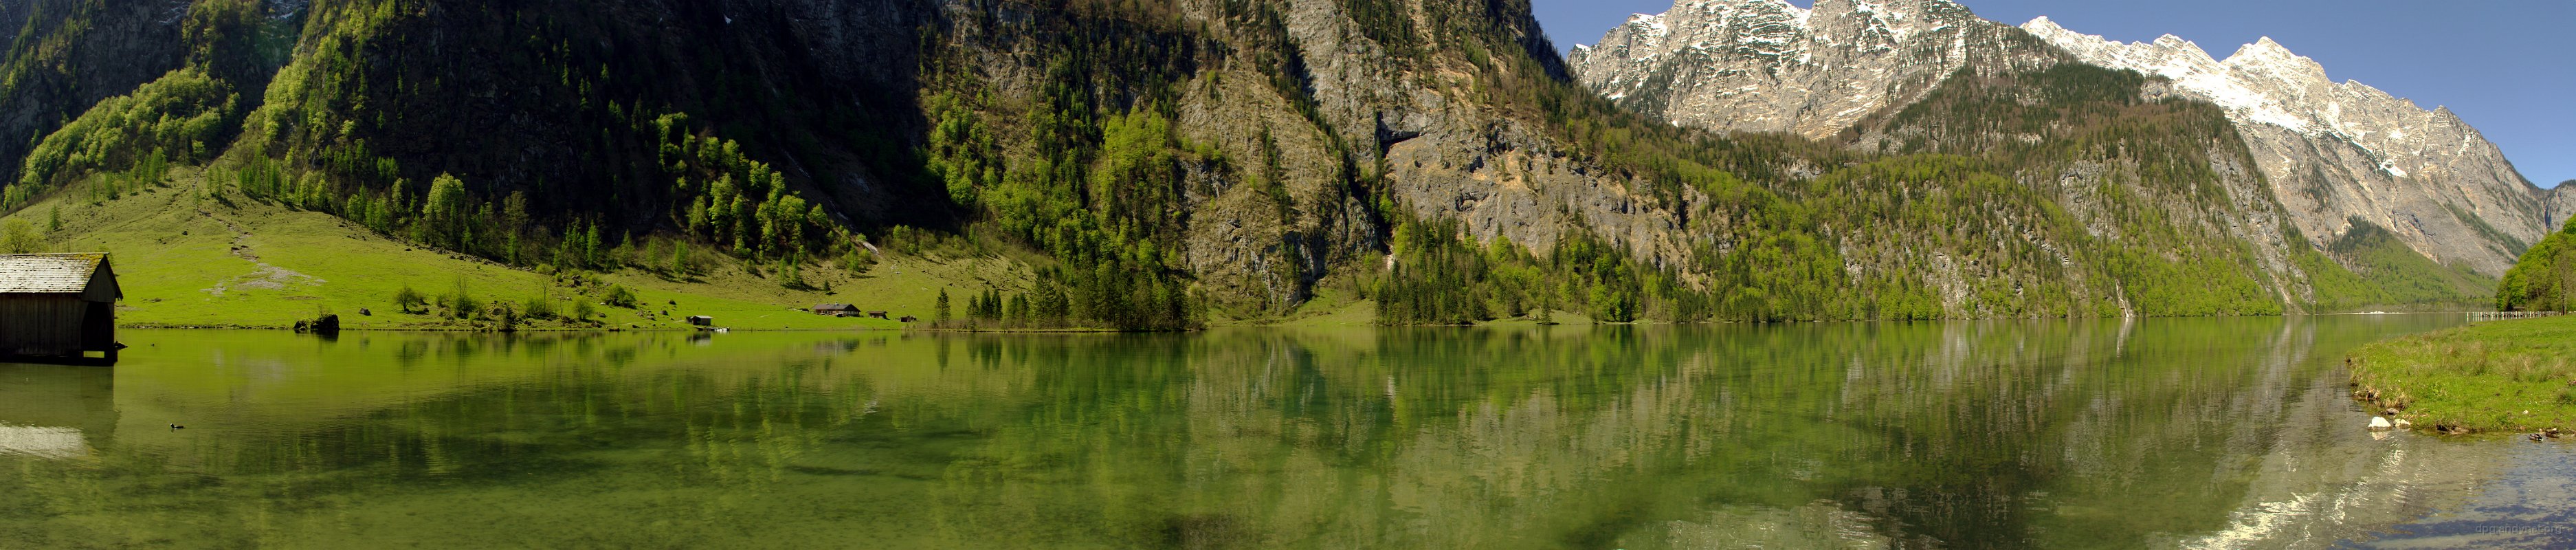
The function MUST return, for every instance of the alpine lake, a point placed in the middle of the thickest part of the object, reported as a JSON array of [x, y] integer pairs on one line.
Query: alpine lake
[[2144, 433]]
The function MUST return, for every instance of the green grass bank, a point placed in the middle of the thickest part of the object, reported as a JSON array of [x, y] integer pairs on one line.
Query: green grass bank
[[189, 258], [2513, 375]]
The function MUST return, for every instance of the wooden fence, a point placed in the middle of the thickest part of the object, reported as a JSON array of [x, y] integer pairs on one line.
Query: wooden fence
[[2482, 316]]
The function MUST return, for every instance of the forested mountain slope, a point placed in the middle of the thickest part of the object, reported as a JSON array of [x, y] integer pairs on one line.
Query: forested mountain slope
[[65, 55], [2342, 154], [2340, 158], [1160, 164], [2544, 279]]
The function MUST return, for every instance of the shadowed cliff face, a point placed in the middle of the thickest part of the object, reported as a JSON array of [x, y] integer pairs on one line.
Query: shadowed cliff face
[[550, 95], [2558, 203], [66, 55], [550, 102]]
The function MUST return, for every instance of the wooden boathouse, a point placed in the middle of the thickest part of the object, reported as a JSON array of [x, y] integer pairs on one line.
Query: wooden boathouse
[[58, 306]]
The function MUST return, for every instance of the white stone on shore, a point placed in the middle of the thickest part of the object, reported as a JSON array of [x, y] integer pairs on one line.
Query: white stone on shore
[[2403, 424]]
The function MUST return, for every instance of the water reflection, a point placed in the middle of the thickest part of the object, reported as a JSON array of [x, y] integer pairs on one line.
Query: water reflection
[[2228, 433], [55, 411]]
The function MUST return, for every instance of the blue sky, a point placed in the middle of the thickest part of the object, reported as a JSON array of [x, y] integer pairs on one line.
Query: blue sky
[[2508, 67]]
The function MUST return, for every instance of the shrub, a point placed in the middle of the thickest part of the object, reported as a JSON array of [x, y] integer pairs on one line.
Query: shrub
[[462, 303], [619, 296], [20, 237], [408, 300], [538, 307]]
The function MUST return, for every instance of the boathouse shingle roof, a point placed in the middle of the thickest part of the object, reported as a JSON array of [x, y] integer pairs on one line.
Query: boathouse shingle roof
[[48, 273]]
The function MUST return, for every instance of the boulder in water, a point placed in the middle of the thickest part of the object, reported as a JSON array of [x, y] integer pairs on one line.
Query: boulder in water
[[2402, 424], [326, 325], [2378, 423]]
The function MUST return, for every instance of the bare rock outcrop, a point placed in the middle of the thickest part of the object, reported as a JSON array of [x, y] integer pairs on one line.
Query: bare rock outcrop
[[2336, 152], [1766, 65]]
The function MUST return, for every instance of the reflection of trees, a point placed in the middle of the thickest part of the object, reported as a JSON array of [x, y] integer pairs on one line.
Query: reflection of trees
[[1953, 434], [1982, 435]]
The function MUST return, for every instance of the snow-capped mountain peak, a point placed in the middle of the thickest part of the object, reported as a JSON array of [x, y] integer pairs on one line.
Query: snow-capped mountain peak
[[1809, 71], [2333, 152], [2347, 148]]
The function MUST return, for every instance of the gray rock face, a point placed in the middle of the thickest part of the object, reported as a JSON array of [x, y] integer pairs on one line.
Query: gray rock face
[[2336, 152], [2558, 203], [1260, 241], [1765, 65], [2332, 153]]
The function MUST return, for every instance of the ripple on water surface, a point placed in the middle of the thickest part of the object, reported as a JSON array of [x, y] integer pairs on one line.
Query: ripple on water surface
[[2532, 504]]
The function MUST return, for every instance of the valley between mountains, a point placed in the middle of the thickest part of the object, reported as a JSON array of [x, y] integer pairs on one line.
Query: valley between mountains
[[1177, 164]]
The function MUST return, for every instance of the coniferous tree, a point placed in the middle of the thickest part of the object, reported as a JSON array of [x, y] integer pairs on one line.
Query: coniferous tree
[[941, 310]]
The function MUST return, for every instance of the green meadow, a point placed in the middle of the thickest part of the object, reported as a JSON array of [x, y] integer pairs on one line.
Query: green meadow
[[2504, 375], [189, 257]]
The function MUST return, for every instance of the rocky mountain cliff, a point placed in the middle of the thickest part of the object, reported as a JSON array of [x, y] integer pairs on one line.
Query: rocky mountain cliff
[[1765, 65], [66, 55], [2559, 203], [2342, 153], [1139, 164], [2335, 156]]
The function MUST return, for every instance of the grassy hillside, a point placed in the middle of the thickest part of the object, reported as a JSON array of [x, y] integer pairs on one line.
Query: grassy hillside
[[189, 256], [2388, 274]]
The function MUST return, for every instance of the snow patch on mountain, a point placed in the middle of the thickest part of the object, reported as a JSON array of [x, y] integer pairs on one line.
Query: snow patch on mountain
[[2333, 152], [2339, 151], [1767, 65]]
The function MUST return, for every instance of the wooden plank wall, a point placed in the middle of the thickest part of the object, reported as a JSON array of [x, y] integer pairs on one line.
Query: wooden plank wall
[[42, 324]]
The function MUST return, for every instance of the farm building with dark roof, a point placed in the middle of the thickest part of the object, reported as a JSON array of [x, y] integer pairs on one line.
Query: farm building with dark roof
[[58, 305]]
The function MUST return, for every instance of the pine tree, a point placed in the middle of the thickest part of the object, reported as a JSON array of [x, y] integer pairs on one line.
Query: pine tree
[[942, 307]]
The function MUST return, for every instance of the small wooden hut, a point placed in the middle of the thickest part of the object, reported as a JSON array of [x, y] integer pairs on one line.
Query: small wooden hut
[[836, 310], [702, 321], [58, 305]]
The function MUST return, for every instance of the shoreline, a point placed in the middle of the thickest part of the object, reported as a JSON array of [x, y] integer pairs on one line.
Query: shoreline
[[1256, 324], [2516, 375]]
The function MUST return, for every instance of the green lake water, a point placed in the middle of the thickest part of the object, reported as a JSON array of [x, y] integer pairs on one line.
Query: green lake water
[[2085, 434]]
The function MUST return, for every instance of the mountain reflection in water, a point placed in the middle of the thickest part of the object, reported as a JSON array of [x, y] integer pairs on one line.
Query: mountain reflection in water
[[2145, 433]]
